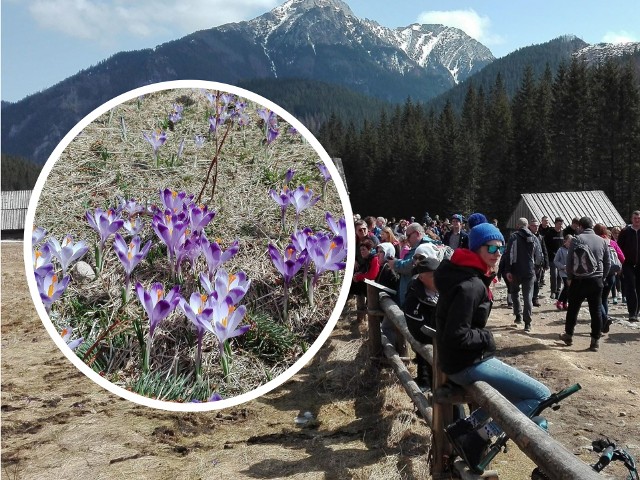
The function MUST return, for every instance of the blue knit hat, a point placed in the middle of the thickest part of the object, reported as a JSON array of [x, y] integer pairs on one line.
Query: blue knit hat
[[483, 233], [476, 219]]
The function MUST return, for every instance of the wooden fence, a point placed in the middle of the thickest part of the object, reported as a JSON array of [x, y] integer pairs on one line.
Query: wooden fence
[[547, 453]]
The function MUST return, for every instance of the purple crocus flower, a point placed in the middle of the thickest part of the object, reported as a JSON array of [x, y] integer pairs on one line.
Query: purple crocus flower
[[176, 115], [288, 264], [199, 217], [37, 234], [293, 131], [289, 176], [68, 251], [156, 139], [51, 288], [226, 321], [234, 286], [283, 199], [299, 238], [326, 175], [271, 124], [339, 228], [175, 201], [66, 336], [217, 120], [302, 198], [158, 306], [188, 248], [133, 226], [170, 228], [130, 206], [199, 311], [327, 254], [130, 255], [106, 224], [214, 255], [42, 260], [199, 141]]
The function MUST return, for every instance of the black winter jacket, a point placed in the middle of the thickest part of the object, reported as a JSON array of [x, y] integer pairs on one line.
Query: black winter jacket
[[463, 309]]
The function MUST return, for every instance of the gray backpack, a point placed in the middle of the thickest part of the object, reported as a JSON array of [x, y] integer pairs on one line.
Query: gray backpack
[[584, 262]]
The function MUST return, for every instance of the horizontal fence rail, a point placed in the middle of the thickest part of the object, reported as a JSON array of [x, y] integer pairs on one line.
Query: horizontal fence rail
[[551, 456]]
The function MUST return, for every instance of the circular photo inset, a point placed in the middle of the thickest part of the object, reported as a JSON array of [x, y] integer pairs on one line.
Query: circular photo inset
[[189, 245]]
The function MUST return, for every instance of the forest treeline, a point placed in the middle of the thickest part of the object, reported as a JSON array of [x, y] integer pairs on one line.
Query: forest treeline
[[18, 173], [577, 129]]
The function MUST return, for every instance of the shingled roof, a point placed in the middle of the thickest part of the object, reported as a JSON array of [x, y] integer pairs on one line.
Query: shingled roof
[[594, 204], [14, 209]]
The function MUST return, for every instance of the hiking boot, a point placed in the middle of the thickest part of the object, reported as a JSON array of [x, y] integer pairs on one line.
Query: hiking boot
[[472, 448], [519, 318], [458, 428], [536, 303], [527, 327], [566, 338], [565, 306], [594, 345], [615, 300], [552, 296], [633, 319], [606, 324], [559, 305]]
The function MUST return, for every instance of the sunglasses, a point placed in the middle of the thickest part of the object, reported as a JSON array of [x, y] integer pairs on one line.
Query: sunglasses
[[492, 249]]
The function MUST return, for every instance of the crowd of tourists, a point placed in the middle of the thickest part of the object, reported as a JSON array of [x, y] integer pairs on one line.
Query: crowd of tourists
[[443, 272]]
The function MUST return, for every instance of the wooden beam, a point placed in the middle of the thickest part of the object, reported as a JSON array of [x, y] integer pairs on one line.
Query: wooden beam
[[546, 452], [407, 382]]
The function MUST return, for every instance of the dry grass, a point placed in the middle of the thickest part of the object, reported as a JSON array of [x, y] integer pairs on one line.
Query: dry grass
[[110, 159]]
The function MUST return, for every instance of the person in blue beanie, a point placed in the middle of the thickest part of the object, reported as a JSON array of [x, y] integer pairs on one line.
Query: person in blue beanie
[[466, 348]]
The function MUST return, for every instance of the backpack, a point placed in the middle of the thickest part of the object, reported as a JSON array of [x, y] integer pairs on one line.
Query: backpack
[[584, 263], [616, 265]]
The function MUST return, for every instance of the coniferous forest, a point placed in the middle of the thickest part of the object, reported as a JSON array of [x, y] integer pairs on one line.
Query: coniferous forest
[[19, 173], [577, 129]]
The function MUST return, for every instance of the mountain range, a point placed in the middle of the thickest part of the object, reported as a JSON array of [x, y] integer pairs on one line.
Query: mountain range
[[316, 40]]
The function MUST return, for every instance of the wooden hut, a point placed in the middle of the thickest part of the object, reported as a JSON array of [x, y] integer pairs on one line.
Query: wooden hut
[[568, 205], [14, 211]]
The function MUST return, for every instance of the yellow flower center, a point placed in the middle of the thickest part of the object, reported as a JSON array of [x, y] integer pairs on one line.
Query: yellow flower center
[[232, 278], [174, 194], [54, 280], [159, 293]]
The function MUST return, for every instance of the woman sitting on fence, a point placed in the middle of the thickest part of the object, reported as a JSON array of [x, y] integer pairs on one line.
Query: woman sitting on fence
[[466, 347], [368, 270]]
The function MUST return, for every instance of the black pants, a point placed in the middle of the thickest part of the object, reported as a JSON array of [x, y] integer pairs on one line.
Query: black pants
[[631, 288], [425, 372], [579, 290]]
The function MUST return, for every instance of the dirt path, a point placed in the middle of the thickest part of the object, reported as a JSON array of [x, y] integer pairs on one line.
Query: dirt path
[[58, 424]]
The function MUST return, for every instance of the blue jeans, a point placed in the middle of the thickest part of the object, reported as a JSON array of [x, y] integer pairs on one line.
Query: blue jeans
[[527, 296], [519, 388]]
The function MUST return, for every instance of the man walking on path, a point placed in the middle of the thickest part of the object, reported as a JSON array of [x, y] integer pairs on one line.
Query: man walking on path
[[554, 239], [522, 255], [629, 243], [541, 267], [588, 264]]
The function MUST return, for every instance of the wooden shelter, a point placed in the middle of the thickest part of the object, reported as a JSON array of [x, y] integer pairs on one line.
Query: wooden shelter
[[568, 205], [14, 211]]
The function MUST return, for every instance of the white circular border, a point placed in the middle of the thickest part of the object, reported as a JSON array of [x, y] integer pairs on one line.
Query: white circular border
[[176, 406]]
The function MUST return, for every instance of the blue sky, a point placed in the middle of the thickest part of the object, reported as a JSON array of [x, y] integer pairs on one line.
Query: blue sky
[[46, 41]]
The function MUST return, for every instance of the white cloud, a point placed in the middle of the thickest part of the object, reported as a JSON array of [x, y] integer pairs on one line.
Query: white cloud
[[105, 20], [469, 21], [619, 37]]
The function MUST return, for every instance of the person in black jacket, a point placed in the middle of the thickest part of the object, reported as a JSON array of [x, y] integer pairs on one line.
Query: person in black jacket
[[629, 243], [420, 309], [466, 348]]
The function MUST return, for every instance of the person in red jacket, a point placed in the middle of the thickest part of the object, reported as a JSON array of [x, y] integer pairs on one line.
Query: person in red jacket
[[368, 270]]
